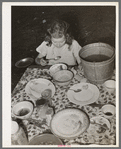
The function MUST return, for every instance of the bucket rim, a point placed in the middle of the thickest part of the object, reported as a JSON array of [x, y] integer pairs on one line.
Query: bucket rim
[[83, 48], [98, 44], [111, 58]]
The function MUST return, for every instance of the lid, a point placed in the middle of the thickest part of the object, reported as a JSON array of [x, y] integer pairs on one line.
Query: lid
[[14, 127], [24, 62]]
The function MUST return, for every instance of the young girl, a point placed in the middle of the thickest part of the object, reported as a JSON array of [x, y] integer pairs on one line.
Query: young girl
[[58, 47]]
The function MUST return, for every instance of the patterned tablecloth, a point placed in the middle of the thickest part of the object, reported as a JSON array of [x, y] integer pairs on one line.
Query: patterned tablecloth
[[60, 101]]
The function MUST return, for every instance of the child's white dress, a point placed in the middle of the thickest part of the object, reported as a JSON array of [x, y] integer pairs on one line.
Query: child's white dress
[[68, 56]]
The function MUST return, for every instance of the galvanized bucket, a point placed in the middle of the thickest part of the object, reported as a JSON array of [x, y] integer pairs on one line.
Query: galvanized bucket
[[98, 62]]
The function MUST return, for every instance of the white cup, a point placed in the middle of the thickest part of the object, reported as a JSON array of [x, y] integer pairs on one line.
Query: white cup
[[110, 86], [108, 111]]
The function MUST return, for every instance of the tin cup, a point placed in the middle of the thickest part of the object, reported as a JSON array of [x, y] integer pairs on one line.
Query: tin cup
[[108, 111], [49, 115], [42, 107]]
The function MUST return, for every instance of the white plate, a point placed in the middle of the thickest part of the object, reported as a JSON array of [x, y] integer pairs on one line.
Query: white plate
[[35, 87], [96, 129], [89, 94], [69, 123], [56, 67]]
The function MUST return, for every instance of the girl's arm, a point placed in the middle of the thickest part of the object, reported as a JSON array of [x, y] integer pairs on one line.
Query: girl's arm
[[40, 59], [42, 49], [78, 60], [40, 55]]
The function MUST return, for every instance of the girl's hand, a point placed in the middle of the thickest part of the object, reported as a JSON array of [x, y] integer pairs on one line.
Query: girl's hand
[[80, 66], [43, 62]]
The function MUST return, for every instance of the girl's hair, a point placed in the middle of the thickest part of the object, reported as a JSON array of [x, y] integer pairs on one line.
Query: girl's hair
[[57, 29]]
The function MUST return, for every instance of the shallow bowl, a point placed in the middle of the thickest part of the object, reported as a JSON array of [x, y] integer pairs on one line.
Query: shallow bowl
[[45, 139]]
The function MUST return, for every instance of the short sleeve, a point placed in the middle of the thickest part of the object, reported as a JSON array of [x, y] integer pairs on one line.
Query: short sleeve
[[42, 49], [76, 48]]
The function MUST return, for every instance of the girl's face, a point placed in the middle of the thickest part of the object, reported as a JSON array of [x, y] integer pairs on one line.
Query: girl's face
[[58, 42]]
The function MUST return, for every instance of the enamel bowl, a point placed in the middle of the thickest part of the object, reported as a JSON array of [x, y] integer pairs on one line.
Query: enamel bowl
[[23, 110], [63, 77], [45, 139]]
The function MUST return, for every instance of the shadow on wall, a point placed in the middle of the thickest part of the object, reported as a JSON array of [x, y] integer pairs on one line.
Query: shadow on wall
[[92, 24], [88, 24]]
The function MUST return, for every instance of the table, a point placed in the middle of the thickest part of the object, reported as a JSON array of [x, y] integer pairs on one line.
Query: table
[[60, 101]]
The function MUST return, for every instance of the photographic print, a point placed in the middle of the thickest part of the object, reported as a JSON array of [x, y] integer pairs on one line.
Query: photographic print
[[60, 74]]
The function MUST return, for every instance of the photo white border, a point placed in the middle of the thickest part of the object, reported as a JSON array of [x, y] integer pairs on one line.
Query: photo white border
[[6, 65]]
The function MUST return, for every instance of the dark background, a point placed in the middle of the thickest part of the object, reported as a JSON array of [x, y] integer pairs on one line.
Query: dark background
[[88, 24]]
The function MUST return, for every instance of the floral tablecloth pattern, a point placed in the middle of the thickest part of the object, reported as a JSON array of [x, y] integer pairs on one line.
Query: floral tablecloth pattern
[[36, 126]]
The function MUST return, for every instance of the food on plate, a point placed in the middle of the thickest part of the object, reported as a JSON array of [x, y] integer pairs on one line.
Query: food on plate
[[46, 94], [96, 129], [85, 87], [100, 129], [64, 78], [54, 68], [101, 125], [84, 95], [37, 88], [70, 124]]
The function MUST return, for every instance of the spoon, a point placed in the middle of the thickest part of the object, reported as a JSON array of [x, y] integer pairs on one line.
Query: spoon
[[78, 90], [56, 58], [93, 122], [61, 68]]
